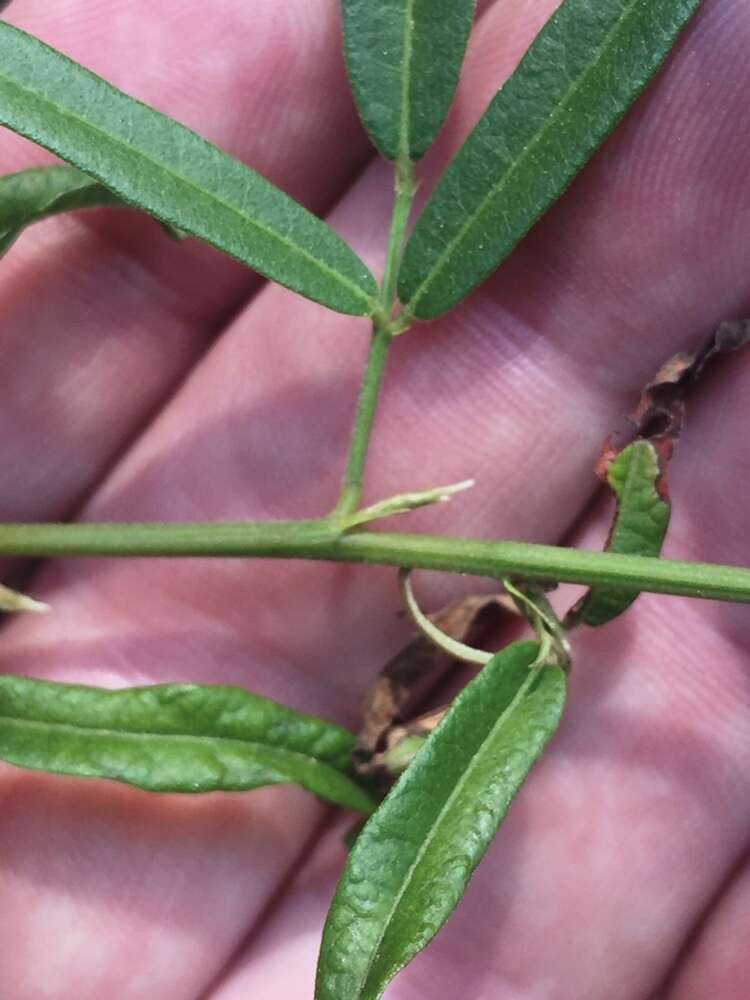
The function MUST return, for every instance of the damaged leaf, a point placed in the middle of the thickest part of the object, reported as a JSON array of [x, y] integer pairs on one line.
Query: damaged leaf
[[401, 743], [389, 696], [660, 412], [639, 527], [638, 473]]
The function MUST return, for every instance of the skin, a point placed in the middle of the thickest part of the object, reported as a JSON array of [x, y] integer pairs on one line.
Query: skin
[[143, 380]]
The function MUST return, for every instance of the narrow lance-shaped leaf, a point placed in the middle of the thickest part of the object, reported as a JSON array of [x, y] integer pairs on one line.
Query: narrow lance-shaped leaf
[[32, 195], [585, 68], [175, 738], [411, 863], [639, 527], [159, 165], [404, 58]]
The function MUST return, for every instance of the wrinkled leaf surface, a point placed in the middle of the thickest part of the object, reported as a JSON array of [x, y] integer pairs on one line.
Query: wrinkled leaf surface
[[174, 738], [639, 528]]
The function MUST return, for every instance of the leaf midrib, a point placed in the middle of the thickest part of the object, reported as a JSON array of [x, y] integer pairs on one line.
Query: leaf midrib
[[137, 735], [457, 789], [66, 113], [514, 167], [641, 458], [404, 144]]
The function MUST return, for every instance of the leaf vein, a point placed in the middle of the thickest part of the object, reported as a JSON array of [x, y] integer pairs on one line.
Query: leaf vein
[[456, 791], [557, 113], [93, 171]]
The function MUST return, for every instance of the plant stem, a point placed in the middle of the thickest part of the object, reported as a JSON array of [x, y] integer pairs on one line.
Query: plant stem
[[382, 335], [322, 540], [351, 493], [406, 188]]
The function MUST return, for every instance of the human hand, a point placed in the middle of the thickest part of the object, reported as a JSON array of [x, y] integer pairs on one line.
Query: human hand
[[145, 381]]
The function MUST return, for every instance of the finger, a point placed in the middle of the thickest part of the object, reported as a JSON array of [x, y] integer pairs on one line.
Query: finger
[[102, 313], [632, 820], [96, 658], [663, 817], [279, 959], [716, 962], [97, 892], [230, 446]]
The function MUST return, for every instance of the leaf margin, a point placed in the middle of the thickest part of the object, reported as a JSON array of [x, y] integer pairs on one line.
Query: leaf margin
[[320, 751], [332, 951], [412, 281], [397, 139]]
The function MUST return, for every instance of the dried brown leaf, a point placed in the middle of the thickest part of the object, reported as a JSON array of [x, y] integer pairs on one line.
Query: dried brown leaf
[[661, 409], [463, 620], [657, 423]]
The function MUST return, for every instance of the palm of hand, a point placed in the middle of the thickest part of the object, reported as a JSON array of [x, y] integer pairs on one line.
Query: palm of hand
[[149, 382]]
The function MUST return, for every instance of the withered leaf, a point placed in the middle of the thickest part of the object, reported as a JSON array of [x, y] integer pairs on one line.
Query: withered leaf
[[401, 743], [463, 620], [660, 411], [637, 472]]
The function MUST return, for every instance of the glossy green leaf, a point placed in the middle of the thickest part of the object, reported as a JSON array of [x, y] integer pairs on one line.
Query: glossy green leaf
[[174, 738], [585, 68], [639, 528], [410, 864], [404, 58], [159, 165]]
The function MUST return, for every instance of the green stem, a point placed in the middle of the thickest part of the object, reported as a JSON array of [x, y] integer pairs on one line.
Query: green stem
[[351, 493], [323, 540], [384, 328], [406, 188]]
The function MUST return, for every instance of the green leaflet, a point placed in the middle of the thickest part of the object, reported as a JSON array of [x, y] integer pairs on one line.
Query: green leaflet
[[32, 195], [159, 165], [404, 58], [411, 863], [639, 528], [174, 738], [585, 68]]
